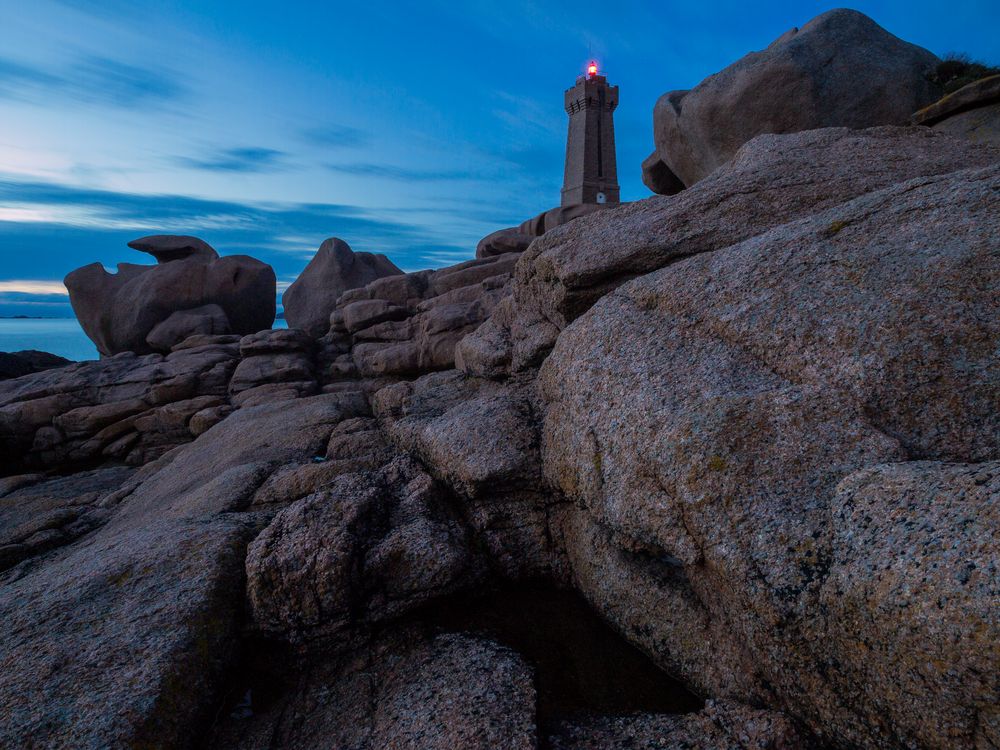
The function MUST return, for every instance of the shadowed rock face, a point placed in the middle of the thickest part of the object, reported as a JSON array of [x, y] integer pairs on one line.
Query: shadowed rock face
[[16, 364], [840, 69], [142, 309], [334, 269]]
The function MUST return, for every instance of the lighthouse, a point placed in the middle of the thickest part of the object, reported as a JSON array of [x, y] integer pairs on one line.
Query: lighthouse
[[591, 174]]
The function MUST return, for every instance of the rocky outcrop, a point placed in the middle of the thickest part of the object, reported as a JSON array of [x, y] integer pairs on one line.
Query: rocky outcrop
[[516, 239], [126, 407], [753, 425], [39, 513], [972, 112], [721, 419], [134, 409], [481, 439], [840, 69], [334, 269], [124, 638], [274, 365], [402, 326], [16, 364], [144, 309], [772, 180]]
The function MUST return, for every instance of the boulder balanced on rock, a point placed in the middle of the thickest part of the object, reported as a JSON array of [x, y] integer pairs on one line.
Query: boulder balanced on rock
[[191, 290], [840, 69], [334, 269]]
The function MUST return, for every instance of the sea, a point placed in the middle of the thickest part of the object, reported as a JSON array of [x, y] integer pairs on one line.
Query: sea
[[62, 336]]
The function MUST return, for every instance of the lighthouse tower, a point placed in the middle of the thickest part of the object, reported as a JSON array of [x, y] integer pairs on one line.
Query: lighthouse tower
[[591, 174]]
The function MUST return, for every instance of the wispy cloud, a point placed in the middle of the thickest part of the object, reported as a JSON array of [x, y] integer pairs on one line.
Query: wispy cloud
[[90, 79], [33, 286], [237, 160], [72, 226], [405, 174], [337, 136]]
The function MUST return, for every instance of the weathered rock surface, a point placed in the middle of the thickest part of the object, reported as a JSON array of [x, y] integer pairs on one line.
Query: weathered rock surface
[[704, 415], [127, 407], [503, 241], [39, 513], [840, 69], [482, 440], [334, 269], [406, 691], [772, 180], [124, 637], [135, 409], [368, 549], [658, 177], [120, 641], [723, 725], [168, 247], [403, 326], [16, 364], [911, 599], [207, 320], [142, 309]]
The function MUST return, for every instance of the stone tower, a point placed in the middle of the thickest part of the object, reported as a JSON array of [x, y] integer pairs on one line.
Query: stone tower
[[591, 174]]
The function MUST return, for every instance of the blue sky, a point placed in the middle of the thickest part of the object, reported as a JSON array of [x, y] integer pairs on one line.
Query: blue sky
[[406, 128]]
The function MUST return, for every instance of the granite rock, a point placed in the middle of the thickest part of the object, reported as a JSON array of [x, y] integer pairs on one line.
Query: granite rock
[[703, 416], [840, 69], [119, 311], [367, 549], [772, 180], [334, 269], [405, 691]]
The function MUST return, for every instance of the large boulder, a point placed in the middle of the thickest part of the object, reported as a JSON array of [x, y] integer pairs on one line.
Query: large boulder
[[840, 69], [145, 309], [972, 112], [334, 269], [721, 422]]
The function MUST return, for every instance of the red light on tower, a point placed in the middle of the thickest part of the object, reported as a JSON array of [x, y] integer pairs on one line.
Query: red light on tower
[[592, 69]]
